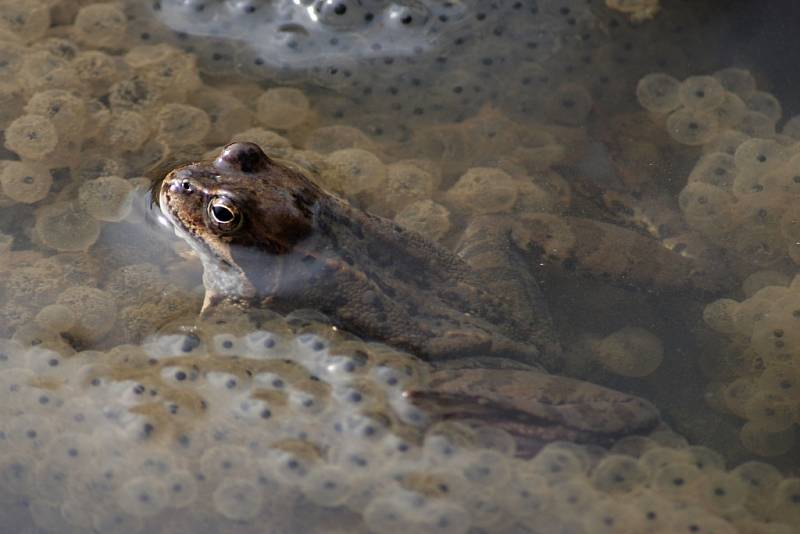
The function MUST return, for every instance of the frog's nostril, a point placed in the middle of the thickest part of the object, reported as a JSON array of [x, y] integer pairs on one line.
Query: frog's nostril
[[181, 187]]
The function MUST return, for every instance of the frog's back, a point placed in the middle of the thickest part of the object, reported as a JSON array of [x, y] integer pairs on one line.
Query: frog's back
[[480, 300]]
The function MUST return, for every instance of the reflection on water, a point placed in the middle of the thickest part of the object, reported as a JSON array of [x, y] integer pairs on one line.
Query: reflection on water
[[655, 182]]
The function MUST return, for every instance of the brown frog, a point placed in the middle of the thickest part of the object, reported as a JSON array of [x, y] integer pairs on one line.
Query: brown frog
[[269, 237]]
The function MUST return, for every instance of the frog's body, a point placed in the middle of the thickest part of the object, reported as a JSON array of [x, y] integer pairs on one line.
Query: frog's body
[[269, 237], [300, 247]]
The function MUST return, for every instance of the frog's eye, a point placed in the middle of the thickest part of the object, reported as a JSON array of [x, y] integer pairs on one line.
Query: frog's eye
[[224, 213]]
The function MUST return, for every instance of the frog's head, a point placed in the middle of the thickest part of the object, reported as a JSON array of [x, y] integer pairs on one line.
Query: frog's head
[[241, 198], [240, 205]]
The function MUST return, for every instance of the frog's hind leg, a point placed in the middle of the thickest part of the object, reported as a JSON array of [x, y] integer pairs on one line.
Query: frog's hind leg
[[533, 407], [487, 246]]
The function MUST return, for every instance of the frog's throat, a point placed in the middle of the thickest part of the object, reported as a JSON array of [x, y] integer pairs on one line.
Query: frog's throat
[[220, 274]]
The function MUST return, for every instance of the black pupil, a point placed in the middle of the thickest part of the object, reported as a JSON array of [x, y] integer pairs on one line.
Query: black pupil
[[222, 214]]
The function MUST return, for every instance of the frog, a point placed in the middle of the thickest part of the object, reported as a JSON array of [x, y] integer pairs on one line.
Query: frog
[[269, 237]]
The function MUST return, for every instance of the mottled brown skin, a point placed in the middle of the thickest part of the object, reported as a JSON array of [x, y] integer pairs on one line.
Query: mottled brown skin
[[287, 244]]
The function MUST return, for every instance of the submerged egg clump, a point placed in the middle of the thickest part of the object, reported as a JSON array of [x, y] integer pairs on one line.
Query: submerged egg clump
[[739, 193], [94, 311], [180, 124], [483, 190], [426, 217], [658, 93], [354, 171], [706, 105], [100, 26], [738, 81], [32, 136], [64, 227], [768, 400], [701, 92], [66, 111], [27, 20], [692, 127], [282, 108], [126, 131], [107, 198], [630, 352], [25, 182]]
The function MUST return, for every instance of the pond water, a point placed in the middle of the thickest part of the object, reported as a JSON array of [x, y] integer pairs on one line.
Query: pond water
[[648, 150]]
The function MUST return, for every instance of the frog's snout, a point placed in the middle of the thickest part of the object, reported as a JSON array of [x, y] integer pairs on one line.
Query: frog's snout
[[175, 186]]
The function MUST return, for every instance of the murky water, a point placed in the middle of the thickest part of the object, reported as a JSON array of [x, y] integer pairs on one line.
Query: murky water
[[655, 164]]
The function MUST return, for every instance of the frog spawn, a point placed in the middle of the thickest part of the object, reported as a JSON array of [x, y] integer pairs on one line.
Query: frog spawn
[[631, 351], [742, 187], [764, 394], [740, 195], [251, 421], [345, 33], [384, 57], [123, 137]]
